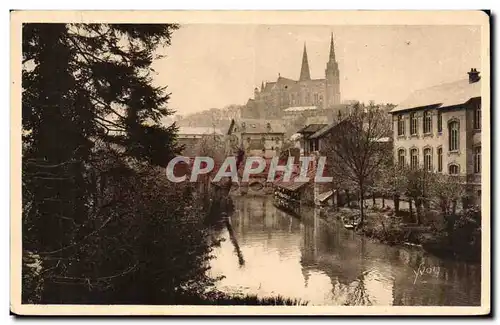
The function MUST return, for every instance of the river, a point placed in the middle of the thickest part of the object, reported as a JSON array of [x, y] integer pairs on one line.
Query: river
[[270, 253]]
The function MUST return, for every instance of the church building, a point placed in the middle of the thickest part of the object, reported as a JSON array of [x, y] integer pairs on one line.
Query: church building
[[273, 98]]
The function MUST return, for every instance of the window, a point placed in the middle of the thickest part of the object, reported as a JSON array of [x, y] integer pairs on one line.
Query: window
[[453, 169], [440, 159], [314, 144], [477, 117], [440, 122], [428, 159], [477, 159], [427, 122], [414, 158], [401, 125], [401, 158], [413, 123], [316, 99], [453, 135]]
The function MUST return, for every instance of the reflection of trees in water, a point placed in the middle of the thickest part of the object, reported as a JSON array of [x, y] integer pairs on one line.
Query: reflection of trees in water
[[457, 284], [336, 253], [358, 295], [234, 241], [342, 256], [258, 214], [217, 219]]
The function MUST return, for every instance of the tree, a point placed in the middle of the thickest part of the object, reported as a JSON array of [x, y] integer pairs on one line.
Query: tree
[[356, 149], [446, 191], [84, 83], [392, 181], [419, 185]]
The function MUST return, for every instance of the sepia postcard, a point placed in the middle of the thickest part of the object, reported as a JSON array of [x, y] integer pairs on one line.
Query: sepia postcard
[[250, 163]]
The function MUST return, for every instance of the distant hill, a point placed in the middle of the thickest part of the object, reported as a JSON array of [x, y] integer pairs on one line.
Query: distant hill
[[220, 118], [213, 117]]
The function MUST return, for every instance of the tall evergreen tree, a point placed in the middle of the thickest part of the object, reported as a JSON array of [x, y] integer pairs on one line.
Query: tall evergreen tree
[[84, 83]]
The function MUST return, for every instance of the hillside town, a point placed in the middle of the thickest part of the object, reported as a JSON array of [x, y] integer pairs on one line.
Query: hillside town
[[401, 174], [434, 130]]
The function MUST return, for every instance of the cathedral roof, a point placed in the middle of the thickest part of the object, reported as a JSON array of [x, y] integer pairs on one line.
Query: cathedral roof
[[269, 86], [283, 80]]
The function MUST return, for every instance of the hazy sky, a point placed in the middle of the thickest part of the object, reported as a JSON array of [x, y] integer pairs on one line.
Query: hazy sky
[[216, 65]]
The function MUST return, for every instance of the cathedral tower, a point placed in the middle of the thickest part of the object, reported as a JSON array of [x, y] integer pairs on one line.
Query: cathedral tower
[[332, 75], [304, 70]]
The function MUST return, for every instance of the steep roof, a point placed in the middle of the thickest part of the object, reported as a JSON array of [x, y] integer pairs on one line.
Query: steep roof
[[321, 132], [312, 128], [443, 95], [258, 126]]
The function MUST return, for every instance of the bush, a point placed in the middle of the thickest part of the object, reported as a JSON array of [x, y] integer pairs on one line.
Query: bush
[[143, 242], [461, 237]]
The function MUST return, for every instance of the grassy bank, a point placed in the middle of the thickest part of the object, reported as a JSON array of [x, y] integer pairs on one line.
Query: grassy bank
[[219, 298], [452, 237]]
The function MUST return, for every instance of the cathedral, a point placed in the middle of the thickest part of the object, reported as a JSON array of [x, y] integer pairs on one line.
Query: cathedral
[[275, 97]]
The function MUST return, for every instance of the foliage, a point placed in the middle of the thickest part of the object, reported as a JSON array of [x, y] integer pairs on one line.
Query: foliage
[[220, 298], [142, 242], [391, 179], [354, 148], [461, 237], [101, 224], [94, 80], [446, 191]]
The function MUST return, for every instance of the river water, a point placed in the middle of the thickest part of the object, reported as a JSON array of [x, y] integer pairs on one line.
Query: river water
[[268, 252]]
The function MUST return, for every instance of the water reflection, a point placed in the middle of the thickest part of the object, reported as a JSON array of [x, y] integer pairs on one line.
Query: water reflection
[[326, 264]]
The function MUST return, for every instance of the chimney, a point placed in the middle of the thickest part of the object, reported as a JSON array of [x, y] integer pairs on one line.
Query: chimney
[[473, 76]]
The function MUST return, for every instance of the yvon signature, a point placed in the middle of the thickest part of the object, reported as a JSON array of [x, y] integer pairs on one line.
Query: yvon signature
[[426, 270]]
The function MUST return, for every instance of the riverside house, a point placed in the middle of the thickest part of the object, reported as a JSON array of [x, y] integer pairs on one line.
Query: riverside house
[[439, 128]]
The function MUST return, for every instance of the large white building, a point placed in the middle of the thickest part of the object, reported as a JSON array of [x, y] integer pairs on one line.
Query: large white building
[[439, 128]]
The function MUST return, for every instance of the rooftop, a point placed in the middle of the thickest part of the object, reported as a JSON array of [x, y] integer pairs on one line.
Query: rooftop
[[300, 108], [443, 95], [257, 126], [312, 128], [183, 130]]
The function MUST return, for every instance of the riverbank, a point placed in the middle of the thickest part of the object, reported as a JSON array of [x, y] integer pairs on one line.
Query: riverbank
[[457, 242], [312, 260], [223, 299]]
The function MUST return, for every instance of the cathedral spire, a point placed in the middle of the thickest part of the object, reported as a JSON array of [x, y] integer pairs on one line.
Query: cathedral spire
[[332, 50], [304, 71], [262, 86]]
